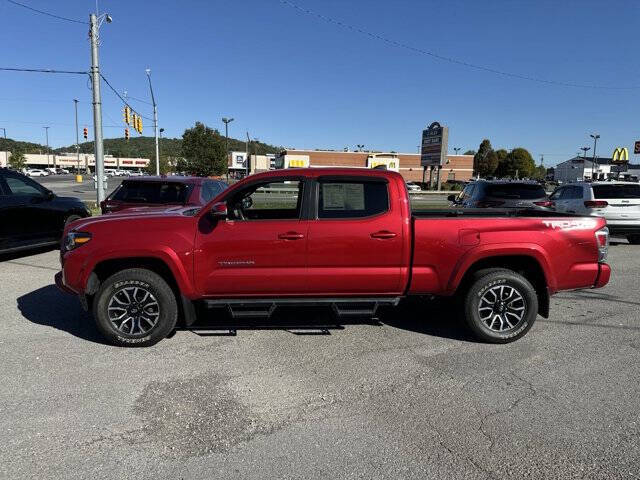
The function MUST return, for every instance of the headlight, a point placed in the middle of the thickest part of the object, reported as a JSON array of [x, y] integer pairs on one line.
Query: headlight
[[75, 239]]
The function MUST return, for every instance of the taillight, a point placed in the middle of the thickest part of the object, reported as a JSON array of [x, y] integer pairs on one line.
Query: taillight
[[595, 203], [546, 203], [487, 204], [602, 240]]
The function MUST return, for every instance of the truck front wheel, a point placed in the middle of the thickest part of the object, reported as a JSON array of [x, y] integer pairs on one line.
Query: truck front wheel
[[135, 308], [500, 305]]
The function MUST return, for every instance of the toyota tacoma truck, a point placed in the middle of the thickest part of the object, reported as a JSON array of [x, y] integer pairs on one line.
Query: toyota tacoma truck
[[346, 238]]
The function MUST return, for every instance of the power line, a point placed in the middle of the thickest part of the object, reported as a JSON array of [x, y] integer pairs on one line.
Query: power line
[[41, 70], [47, 13], [122, 98], [139, 100], [483, 68]]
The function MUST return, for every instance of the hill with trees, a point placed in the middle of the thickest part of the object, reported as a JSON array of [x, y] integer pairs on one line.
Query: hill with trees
[[144, 147]]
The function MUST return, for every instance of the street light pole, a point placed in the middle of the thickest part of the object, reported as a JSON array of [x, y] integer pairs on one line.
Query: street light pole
[[227, 121], [585, 150], [155, 121], [457, 149], [75, 101], [595, 137], [46, 129]]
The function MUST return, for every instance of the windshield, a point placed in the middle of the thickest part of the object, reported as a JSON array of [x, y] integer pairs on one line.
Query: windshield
[[153, 192], [616, 191], [516, 190]]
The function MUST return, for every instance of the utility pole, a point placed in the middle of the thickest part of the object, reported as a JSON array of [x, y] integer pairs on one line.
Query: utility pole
[[6, 153], [247, 155], [75, 101], [595, 137], [97, 102], [227, 121], [97, 108], [46, 129], [155, 121]]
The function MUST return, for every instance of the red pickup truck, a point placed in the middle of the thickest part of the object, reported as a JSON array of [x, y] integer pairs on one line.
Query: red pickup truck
[[341, 237]]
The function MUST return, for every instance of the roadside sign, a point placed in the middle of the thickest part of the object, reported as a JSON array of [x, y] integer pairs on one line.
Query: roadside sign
[[636, 147], [433, 151]]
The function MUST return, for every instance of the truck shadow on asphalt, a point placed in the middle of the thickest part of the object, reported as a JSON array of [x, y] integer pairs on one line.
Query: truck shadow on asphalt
[[49, 307]]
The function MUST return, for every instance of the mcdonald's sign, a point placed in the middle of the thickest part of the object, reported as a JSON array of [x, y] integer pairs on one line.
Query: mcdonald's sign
[[620, 155]]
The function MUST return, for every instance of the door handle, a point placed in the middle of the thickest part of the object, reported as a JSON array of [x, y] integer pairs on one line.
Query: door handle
[[291, 236], [384, 234]]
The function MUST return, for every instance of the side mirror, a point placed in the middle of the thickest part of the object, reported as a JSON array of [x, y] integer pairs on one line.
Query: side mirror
[[247, 202], [219, 210], [49, 195], [452, 198]]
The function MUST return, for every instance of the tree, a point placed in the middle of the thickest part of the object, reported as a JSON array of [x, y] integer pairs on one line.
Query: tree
[[204, 151], [17, 161], [539, 173], [517, 164], [485, 161], [165, 166], [470, 152]]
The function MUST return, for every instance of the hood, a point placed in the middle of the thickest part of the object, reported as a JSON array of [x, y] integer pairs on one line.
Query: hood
[[136, 214]]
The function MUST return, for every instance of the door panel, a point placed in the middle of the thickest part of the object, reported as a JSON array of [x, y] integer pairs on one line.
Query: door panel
[[361, 256], [261, 249], [252, 258]]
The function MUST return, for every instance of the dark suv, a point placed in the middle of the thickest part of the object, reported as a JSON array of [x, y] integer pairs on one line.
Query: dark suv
[[31, 215], [502, 194], [153, 193]]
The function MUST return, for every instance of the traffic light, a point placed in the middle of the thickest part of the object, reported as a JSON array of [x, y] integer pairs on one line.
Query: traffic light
[[126, 133], [127, 115], [135, 121], [139, 124], [85, 132]]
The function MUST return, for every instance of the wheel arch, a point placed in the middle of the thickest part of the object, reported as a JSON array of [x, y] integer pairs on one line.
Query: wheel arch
[[526, 265], [105, 268]]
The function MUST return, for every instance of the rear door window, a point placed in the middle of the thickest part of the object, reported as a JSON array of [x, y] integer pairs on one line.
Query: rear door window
[[352, 199], [523, 191], [23, 186], [210, 190], [616, 191], [153, 192]]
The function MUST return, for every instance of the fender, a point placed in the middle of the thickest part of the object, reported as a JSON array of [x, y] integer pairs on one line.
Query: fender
[[532, 250], [165, 254]]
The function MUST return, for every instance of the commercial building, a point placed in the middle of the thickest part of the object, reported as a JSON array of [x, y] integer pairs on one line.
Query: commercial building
[[258, 163], [603, 168], [456, 168], [70, 161]]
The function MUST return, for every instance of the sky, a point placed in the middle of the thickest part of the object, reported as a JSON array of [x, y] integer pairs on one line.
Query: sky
[[298, 80]]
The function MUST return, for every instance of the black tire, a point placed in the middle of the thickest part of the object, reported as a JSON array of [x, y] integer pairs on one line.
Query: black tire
[[71, 218], [149, 318], [634, 239], [497, 297]]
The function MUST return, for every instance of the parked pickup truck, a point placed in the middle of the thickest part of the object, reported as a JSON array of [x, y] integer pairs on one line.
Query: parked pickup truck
[[340, 237]]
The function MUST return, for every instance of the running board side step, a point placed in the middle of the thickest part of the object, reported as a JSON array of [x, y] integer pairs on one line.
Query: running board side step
[[264, 308]]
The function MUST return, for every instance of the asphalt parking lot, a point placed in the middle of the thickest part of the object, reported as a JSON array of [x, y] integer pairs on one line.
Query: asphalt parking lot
[[410, 396]]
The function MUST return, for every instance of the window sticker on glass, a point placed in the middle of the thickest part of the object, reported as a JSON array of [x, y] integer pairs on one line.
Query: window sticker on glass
[[343, 196]]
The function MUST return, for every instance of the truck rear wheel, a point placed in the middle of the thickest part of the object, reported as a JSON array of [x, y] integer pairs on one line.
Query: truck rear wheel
[[135, 308], [500, 305]]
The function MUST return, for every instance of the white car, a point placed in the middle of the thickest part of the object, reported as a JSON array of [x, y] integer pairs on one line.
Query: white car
[[413, 187], [617, 202], [36, 172]]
